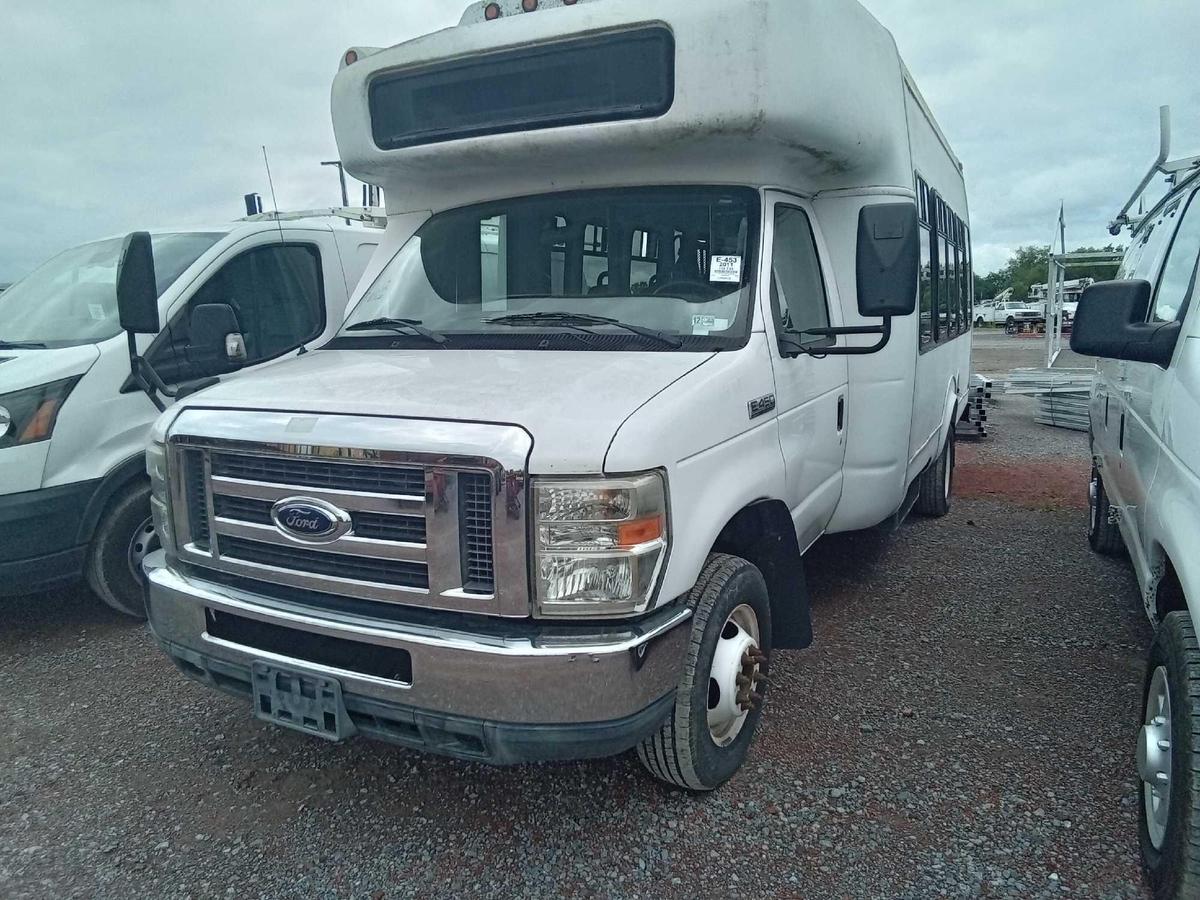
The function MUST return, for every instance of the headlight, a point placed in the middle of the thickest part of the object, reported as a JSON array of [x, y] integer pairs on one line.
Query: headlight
[[28, 416], [600, 544], [160, 504]]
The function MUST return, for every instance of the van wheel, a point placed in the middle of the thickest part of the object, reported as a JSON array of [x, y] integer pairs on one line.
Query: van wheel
[[1103, 535], [1168, 762], [125, 536], [718, 703], [937, 483]]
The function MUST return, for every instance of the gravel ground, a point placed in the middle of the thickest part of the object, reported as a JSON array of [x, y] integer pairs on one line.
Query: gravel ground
[[963, 727]]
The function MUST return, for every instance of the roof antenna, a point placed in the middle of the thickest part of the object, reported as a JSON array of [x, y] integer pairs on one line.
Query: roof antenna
[[274, 202]]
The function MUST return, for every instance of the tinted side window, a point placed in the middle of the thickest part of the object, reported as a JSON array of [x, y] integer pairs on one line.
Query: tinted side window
[[926, 287], [277, 293], [1179, 273], [797, 287]]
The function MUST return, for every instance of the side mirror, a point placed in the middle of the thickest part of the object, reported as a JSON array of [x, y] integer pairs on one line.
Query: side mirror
[[1111, 323], [889, 260], [137, 289], [216, 344]]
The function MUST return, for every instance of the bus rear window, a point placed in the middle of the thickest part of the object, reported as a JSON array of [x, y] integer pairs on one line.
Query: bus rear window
[[613, 77]]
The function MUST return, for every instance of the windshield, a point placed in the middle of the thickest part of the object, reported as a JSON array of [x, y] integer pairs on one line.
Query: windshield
[[530, 272], [72, 299]]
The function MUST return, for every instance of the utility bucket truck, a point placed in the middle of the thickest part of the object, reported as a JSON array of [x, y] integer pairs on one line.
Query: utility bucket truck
[[668, 291]]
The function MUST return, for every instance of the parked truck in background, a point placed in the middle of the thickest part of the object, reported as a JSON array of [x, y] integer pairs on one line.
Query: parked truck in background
[[74, 497], [666, 294]]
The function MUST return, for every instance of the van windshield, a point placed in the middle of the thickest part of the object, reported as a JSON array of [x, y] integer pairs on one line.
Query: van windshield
[[72, 298], [539, 272]]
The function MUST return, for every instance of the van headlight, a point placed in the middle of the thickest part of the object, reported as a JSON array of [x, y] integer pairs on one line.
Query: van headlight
[[600, 544], [28, 416], [160, 503]]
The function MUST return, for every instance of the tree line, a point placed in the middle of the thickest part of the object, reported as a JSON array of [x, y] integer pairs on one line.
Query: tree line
[[1030, 265]]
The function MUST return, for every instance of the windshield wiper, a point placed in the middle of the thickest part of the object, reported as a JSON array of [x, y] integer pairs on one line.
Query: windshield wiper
[[21, 345], [582, 321], [403, 326]]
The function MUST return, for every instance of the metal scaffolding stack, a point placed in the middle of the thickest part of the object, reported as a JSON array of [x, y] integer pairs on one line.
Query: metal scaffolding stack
[[974, 426], [1062, 395]]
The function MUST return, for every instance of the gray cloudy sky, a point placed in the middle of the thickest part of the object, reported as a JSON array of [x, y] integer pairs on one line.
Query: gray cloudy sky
[[133, 113]]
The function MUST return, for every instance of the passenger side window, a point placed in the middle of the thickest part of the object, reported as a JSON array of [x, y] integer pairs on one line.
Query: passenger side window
[[797, 287], [1178, 280], [926, 287], [277, 293]]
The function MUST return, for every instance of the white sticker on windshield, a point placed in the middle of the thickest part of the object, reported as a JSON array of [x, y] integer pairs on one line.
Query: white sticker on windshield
[[725, 270], [97, 312], [702, 326]]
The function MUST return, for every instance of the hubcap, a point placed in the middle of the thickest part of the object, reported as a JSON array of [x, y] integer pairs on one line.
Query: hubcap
[[1154, 758], [735, 677], [144, 541]]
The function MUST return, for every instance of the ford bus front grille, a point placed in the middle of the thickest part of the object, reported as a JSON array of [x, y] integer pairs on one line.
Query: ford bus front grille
[[420, 534]]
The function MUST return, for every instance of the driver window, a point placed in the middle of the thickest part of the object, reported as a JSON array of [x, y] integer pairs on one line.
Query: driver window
[[277, 294], [798, 296]]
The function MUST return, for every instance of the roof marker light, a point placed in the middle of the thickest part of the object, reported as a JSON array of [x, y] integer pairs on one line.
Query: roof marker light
[[351, 57], [491, 11], [529, 5]]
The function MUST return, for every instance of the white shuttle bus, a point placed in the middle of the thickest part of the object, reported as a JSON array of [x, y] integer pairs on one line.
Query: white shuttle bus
[[668, 291]]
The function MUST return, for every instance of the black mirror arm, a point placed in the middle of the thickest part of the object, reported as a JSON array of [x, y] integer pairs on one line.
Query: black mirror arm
[[146, 378], [792, 344]]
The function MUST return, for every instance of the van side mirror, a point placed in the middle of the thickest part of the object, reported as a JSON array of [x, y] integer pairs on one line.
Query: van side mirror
[[216, 345], [1111, 323], [137, 289], [889, 260]]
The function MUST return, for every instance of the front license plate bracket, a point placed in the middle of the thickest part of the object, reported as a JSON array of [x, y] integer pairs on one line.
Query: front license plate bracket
[[308, 703]]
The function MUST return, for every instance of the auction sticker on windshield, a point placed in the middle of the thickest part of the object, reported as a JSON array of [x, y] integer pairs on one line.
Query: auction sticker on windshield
[[702, 326], [725, 270]]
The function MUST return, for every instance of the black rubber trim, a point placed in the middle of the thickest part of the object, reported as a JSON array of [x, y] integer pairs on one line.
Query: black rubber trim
[[39, 524], [32, 576], [497, 743]]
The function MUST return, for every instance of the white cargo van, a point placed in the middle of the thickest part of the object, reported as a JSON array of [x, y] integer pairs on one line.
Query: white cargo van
[[667, 292], [1145, 496], [74, 498]]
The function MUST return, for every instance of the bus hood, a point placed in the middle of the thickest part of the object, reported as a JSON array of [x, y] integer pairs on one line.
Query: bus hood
[[571, 403], [20, 369]]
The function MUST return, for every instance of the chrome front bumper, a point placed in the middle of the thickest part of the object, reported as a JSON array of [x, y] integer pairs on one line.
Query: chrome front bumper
[[551, 676]]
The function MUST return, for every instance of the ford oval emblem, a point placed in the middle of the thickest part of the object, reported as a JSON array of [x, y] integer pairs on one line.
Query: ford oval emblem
[[312, 521]]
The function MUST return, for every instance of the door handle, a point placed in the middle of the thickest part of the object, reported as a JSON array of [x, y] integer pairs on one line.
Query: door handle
[[841, 415]]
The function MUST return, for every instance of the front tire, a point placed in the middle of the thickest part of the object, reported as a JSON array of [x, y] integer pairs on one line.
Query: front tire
[[979, 323], [937, 483], [1104, 536], [718, 703], [125, 536], [1168, 760]]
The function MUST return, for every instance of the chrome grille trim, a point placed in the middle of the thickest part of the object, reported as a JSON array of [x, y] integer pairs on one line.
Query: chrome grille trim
[[452, 566], [386, 504]]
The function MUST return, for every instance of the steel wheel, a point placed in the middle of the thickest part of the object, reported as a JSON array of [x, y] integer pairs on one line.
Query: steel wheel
[[1154, 758], [143, 542], [732, 680]]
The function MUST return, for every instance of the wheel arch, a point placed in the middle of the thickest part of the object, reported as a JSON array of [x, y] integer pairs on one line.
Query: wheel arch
[[128, 472], [764, 534]]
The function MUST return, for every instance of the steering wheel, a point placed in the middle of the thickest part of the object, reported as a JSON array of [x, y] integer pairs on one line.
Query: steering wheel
[[704, 291]]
